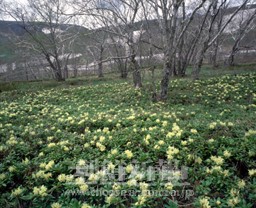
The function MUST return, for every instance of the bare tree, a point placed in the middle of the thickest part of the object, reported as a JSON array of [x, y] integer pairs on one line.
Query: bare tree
[[172, 31], [209, 37], [97, 47], [118, 19], [49, 33], [245, 25]]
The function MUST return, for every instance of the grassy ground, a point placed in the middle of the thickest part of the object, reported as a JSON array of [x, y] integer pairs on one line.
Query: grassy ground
[[203, 137]]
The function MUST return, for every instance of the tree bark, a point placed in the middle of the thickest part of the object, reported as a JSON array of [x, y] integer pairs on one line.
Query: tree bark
[[165, 81], [136, 72]]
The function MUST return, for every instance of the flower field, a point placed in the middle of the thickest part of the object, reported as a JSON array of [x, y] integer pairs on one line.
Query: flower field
[[61, 145]]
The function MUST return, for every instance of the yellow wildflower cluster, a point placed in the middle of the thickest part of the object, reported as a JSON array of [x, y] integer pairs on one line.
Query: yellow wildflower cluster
[[204, 203], [56, 205], [85, 206], [213, 125], [12, 141], [42, 174], [40, 191], [252, 172], [101, 147], [17, 192], [233, 201], [176, 131], [128, 154], [65, 178], [171, 152], [217, 160], [81, 184], [110, 199], [226, 154], [250, 133], [147, 138]]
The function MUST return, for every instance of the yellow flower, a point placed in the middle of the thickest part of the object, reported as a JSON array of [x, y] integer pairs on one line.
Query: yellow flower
[[131, 182], [41, 154], [86, 145], [93, 177], [116, 186], [169, 186], [102, 138], [129, 154], [218, 202], [171, 152], [79, 181], [41, 191], [198, 160], [17, 192], [55, 205], [252, 172], [2, 176], [129, 168], [143, 186], [51, 144], [204, 203], [233, 202], [213, 125], [49, 165], [114, 152], [164, 123], [62, 177], [85, 206], [111, 166], [83, 187], [42, 174], [81, 163], [110, 199], [193, 131], [234, 192], [102, 148], [227, 154], [241, 184], [217, 160], [12, 168], [161, 142], [141, 200], [139, 176], [26, 161]]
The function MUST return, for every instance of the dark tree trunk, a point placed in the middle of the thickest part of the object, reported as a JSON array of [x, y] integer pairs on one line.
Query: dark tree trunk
[[100, 69], [197, 68], [58, 75], [136, 72], [66, 72], [165, 81], [123, 69], [56, 68], [214, 58], [100, 63], [231, 58]]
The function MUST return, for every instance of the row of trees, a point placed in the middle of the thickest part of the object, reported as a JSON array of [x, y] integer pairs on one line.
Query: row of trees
[[182, 31]]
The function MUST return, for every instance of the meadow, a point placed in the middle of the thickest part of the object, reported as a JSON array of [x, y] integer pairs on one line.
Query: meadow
[[59, 143]]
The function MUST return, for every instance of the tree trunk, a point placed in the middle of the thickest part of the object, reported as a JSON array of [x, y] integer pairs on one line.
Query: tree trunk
[[56, 68], [58, 75], [66, 72], [100, 69], [100, 64], [123, 69], [197, 67], [231, 58], [136, 72], [165, 81], [214, 58]]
